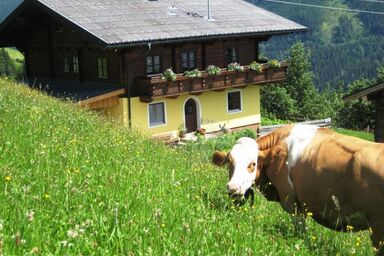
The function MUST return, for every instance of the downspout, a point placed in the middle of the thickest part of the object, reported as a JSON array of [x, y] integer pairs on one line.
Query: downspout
[[127, 86]]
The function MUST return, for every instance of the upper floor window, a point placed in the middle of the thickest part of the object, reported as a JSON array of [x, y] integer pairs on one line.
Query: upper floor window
[[153, 64], [188, 60], [70, 64], [102, 67], [234, 101], [66, 64], [75, 64], [231, 55]]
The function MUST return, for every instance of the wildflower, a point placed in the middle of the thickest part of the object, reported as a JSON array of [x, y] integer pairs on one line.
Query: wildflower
[[162, 225], [309, 214], [349, 228], [314, 238], [46, 196], [35, 250], [8, 178], [30, 215], [72, 233]]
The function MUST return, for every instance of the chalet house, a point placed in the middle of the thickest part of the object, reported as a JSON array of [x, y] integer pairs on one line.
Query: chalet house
[[375, 94], [110, 56]]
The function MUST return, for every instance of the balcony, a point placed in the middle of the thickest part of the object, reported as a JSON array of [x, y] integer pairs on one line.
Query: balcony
[[153, 87]]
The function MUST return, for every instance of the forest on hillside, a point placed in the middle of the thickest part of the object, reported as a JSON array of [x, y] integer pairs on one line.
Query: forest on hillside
[[345, 46]]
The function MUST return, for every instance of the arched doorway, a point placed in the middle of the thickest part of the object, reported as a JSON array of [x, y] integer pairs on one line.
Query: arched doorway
[[190, 114]]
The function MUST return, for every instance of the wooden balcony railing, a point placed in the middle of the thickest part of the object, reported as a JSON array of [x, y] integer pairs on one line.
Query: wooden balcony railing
[[155, 86]]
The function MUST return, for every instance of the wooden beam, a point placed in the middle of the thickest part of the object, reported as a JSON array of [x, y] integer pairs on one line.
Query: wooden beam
[[50, 53], [102, 97], [203, 57], [80, 59]]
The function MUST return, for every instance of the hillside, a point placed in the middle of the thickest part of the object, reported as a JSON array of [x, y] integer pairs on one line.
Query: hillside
[[73, 183], [345, 46]]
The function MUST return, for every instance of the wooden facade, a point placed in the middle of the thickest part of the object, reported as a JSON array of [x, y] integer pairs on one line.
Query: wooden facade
[[48, 51]]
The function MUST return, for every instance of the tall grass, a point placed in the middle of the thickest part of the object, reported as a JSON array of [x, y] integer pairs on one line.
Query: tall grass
[[75, 184]]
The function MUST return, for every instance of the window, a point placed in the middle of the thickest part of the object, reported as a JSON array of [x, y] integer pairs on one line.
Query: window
[[234, 101], [153, 64], [66, 64], [75, 64], [70, 64], [156, 114], [188, 60], [102, 67], [231, 56]]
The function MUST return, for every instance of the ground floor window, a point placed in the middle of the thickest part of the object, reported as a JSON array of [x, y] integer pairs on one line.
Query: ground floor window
[[156, 114], [234, 101]]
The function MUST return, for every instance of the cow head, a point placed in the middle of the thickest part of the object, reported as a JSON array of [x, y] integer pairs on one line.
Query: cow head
[[242, 163]]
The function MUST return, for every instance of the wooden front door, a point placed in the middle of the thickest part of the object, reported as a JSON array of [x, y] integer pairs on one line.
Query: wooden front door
[[190, 112]]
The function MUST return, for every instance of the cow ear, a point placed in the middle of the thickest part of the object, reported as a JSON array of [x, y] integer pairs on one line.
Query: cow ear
[[263, 157], [219, 158]]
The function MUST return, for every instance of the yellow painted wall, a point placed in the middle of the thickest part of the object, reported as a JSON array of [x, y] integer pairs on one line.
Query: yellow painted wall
[[212, 107], [118, 113]]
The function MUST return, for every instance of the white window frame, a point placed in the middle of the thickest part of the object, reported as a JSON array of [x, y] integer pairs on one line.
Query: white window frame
[[235, 111], [165, 115]]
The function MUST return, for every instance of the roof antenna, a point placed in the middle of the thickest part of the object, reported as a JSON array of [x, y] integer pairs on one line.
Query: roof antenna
[[209, 17]]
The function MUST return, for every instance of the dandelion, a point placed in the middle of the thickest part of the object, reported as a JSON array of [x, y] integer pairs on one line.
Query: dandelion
[[46, 196], [8, 178]]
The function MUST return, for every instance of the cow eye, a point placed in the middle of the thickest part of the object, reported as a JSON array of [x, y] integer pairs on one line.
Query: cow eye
[[252, 167]]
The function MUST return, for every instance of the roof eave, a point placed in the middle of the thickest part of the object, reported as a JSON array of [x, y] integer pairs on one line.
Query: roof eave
[[364, 92], [203, 38]]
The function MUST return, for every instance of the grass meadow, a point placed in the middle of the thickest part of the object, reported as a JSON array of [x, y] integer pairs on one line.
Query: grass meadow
[[74, 184]]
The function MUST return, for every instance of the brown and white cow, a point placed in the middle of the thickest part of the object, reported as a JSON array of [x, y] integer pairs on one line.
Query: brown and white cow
[[338, 178]]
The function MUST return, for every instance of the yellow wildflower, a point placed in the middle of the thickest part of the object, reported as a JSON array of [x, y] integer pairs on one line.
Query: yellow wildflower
[[314, 238], [162, 225], [309, 214], [46, 196], [8, 178], [349, 228]]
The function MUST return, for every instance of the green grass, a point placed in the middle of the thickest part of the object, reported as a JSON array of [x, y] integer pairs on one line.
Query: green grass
[[75, 184], [359, 134]]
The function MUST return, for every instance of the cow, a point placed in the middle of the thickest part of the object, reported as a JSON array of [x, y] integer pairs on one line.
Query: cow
[[337, 178]]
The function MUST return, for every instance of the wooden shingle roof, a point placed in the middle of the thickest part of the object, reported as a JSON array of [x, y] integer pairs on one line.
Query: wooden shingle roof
[[117, 22]]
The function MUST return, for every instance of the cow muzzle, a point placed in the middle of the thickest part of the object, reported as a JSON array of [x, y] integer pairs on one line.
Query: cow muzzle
[[239, 198]]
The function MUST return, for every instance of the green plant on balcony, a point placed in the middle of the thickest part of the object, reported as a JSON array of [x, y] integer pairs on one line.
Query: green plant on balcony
[[274, 64], [213, 70], [234, 66], [192, 73], [169, 75], [257, 67], [263, 59]]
